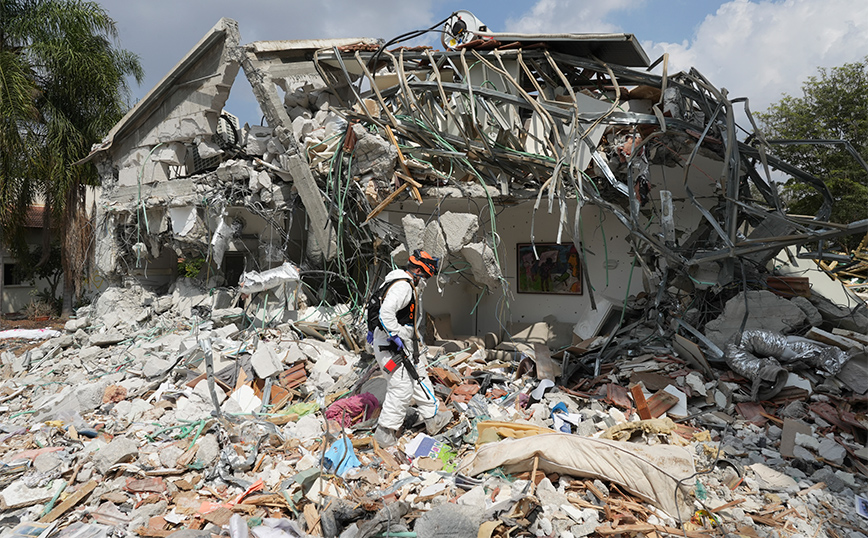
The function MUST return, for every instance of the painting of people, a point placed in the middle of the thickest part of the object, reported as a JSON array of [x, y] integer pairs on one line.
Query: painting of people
[[552, 268]]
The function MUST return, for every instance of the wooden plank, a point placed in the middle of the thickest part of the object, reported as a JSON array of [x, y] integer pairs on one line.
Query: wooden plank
[[818, 485], [389, 199], [852, 335], [414, 188], [407, 178], [609, 530], [70, 501], [280, 420], [148, 532], [763, 520], [830, 339], [639, 400], [730, 504], [311, 517]]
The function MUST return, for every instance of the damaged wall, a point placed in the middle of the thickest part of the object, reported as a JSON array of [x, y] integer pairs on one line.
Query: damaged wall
[[369, 154]]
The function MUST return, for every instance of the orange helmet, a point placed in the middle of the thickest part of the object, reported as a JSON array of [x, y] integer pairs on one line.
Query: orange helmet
[[424, 261]]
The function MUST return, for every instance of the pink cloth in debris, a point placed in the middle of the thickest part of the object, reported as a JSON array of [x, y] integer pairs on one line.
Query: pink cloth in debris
[[352, 407]]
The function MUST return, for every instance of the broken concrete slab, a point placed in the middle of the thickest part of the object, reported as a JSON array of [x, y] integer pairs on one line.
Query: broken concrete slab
[[106, 339], [264, 361], [854, 373], [483, 263], [765, 311], [119, 450], [414, 231], [830, 450], [18, 494], [771, 480], [458, 229], [791, 429]]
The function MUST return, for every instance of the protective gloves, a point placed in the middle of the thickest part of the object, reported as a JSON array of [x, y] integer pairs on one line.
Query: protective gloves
[[397, 341]]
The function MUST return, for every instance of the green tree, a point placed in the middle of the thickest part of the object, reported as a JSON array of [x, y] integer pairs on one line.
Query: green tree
[[833, 106], [63, 85]]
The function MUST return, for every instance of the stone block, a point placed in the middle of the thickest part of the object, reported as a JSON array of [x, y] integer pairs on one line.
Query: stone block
[[75, 324], [414, 230], [106, 339], [208, 450], [807, 441], [831, 451], [459, 229], [483, 263], [120, 450]]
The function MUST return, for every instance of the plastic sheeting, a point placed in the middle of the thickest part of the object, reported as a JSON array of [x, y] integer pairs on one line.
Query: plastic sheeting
[[253, 281], [30, 334], [650, 472]]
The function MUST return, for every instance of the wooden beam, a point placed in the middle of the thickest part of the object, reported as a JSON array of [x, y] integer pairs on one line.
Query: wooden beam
[[70, 501], [414, 185], [389, 199]]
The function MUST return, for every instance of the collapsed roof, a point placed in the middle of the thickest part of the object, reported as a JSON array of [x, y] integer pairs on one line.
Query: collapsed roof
[[563, 122]]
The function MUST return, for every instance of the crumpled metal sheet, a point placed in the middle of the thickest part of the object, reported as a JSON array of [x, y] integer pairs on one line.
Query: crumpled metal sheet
[[253, 281]]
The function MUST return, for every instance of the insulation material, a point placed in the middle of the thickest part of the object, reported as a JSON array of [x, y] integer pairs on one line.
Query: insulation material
[[253, 281], [220, 241], [827, 358], [757, 358], [650, 472], [766, 374]]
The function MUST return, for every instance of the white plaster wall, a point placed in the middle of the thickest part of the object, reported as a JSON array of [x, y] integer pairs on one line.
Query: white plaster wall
[[610, 277], [513, 224]]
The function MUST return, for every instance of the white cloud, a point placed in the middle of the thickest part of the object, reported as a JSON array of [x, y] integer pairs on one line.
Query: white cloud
[[763, 49], [755, 48], [162, 31], [569, 16]]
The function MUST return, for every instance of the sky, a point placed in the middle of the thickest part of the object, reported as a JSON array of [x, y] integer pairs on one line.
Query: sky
[[758, 49]]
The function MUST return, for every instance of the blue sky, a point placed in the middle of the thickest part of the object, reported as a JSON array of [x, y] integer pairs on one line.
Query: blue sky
[[754, 48]]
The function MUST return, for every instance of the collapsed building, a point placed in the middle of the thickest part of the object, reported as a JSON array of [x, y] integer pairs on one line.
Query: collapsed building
[[637, 188], [597, 224]]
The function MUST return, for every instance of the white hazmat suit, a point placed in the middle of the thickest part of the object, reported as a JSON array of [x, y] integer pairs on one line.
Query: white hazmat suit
[[401, 389]]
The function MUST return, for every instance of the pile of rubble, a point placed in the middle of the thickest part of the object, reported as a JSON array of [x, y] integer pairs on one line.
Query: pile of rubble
[[146, 419], [220, 385]]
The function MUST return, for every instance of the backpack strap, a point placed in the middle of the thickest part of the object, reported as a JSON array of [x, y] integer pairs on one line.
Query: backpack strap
[[384, 288]]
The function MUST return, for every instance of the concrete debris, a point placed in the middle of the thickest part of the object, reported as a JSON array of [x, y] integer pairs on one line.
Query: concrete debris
[[607, 372], [237, 428], [764, 310]]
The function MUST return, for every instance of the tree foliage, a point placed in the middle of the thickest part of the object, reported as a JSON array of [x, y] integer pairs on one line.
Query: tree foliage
[[63, 85], [833, 106]]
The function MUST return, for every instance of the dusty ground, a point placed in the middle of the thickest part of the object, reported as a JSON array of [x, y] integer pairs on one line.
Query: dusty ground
[[54, 323]]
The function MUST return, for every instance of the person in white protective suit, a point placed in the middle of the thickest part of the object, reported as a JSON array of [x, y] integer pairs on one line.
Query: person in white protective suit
[[395, 343]]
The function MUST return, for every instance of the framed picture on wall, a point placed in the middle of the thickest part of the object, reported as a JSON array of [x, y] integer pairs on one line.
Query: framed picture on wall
[[555, 269]]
